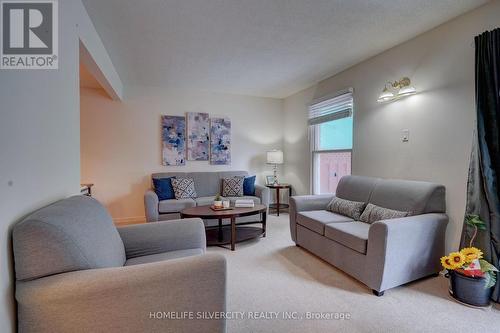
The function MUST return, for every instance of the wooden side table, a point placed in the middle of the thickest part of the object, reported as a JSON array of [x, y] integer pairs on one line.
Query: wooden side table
[[278, 205]]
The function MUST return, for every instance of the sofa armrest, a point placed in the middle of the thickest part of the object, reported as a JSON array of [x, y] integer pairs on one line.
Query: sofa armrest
[[151, 206], [404, 249], [152, 238], [127, 299], [304, 203], [263, 193]]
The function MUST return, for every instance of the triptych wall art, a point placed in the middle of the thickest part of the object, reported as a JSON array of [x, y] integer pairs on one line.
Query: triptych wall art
[[220, 141], [173, 131], [196, 137]]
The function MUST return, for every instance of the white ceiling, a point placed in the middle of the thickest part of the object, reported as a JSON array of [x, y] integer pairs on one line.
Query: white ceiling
[[256, 47]]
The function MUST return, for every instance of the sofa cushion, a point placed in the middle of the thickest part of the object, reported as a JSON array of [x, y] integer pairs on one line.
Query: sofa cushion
[[249, 185], [315, 220], [373, 213], [354, 235], [184, 188], [229, 174], [409, 196], [256, 200], [206, 183], [72, 234], [353, 209], [169, 175], [356, 188], [175, 205], [232, 187], [163, 256], [205, 201], [163, 188]]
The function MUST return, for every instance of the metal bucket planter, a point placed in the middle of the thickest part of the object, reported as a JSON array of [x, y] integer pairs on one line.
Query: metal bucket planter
[[469, 290]]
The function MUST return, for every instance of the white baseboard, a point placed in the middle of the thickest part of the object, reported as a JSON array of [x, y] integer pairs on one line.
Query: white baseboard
[[129, 220]]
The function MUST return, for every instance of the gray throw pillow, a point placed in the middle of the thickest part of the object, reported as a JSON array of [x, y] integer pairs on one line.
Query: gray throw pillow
[[352, 209], [232, 187], [373, 213], [183, 188]]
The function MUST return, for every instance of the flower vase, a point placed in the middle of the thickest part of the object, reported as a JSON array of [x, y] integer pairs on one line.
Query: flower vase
[[469, 290]]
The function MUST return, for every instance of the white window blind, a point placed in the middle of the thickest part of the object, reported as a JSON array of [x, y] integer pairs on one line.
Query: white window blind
[[329, 108]]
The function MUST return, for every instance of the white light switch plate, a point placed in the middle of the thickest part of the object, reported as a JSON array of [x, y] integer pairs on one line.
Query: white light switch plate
[[405, 135]]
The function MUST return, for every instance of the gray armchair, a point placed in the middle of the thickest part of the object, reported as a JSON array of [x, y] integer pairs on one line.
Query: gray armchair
[[76, 272], [386, 253]]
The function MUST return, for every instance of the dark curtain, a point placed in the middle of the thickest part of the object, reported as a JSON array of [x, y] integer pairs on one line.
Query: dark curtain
[[483, 190]]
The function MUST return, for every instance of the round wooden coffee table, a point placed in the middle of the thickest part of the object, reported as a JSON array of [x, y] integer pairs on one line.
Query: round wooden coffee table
[[233, 233]]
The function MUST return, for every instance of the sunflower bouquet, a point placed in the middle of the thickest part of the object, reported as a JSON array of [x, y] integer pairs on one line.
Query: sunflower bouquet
[[469, 261]]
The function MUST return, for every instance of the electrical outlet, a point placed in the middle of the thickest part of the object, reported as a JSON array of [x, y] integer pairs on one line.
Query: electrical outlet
[[405, 135]]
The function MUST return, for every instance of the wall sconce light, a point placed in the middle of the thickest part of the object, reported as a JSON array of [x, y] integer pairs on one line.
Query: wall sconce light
[[396, 90]]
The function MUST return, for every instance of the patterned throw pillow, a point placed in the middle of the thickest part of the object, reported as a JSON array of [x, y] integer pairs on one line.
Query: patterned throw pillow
[[183, 188], [232, 187], [375, 213], [353, 209]]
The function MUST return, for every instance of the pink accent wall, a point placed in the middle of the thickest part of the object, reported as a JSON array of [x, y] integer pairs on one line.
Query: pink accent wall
[[121, 146]]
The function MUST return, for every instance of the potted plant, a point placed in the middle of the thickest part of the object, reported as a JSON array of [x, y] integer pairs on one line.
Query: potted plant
[[218, 201], [471, 277]]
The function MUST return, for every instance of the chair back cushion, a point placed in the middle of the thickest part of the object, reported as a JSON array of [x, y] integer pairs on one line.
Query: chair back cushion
[[72, 234], [416, 197]]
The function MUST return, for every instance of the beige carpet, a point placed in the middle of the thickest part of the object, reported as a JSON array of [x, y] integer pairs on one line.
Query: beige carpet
[[272, 274]]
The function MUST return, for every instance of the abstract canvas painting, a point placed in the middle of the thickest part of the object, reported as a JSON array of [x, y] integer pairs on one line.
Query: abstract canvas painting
[[198, 136], [173, 134], [220, 141]]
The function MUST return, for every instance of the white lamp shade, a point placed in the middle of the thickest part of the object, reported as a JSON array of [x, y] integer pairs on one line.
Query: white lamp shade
[[275, 157]]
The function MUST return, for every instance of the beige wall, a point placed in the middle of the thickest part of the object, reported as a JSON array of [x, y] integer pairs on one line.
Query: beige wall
[[440, 118], [121, 141]]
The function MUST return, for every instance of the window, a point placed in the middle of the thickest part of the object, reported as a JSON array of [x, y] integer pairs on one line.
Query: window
[[331, 125]]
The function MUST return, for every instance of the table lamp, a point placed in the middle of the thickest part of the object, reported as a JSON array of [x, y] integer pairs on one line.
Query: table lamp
[[275, 157]]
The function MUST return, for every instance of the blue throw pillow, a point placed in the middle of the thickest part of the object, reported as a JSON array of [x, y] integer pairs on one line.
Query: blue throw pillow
[[249, 186], [163, 188]]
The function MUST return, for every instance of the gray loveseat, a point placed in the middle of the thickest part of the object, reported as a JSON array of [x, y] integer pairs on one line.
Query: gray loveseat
[[76, 272], [384, 254], [207, 185]]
